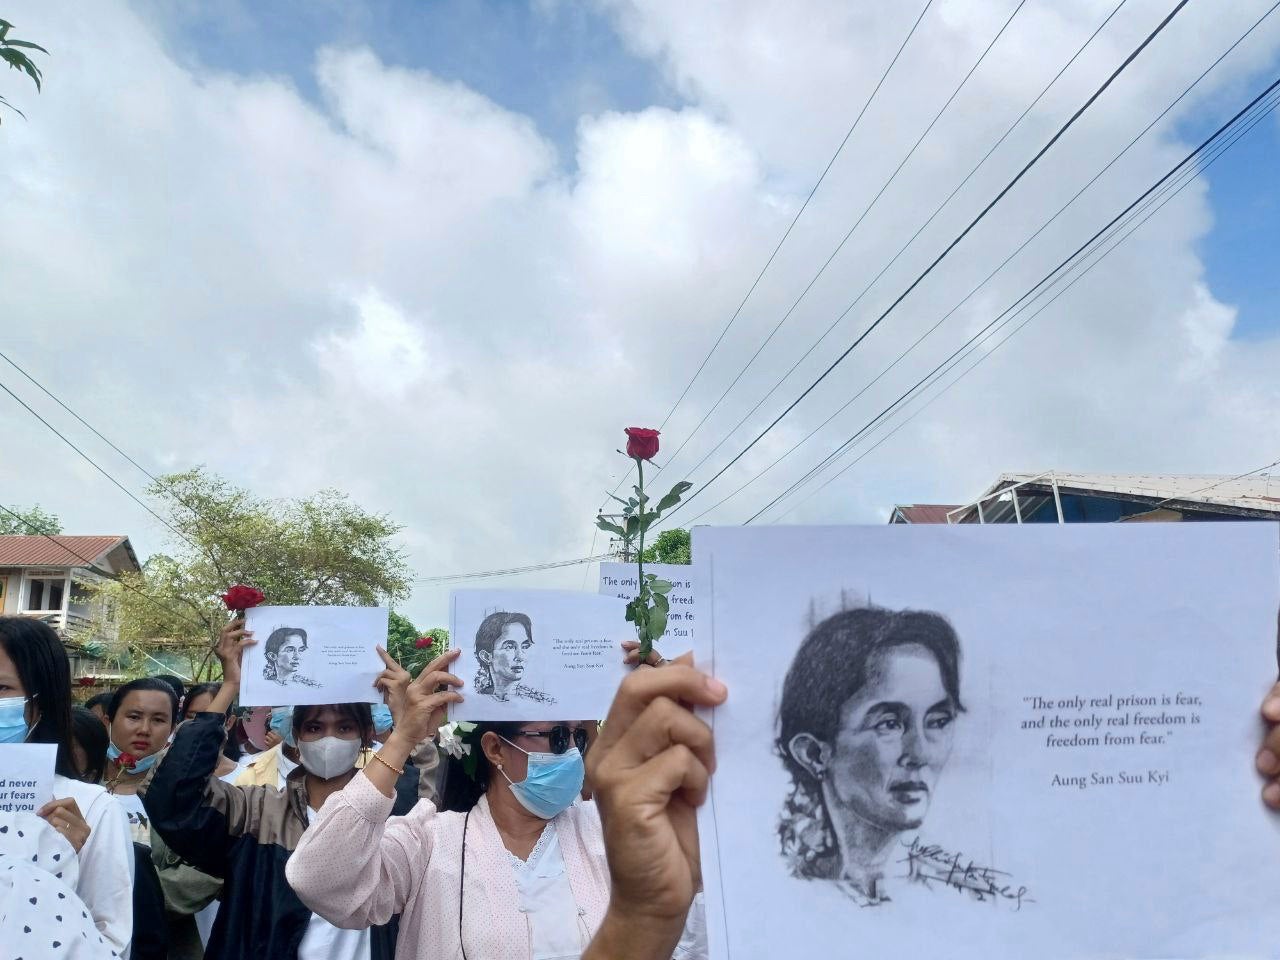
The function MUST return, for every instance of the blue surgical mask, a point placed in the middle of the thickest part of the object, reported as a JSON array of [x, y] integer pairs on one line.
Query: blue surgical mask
[[282, 724], [139, 766], [381, 718], [552, 783], [13, 720]]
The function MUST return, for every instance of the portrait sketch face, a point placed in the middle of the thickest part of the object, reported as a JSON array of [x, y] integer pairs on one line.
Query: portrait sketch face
[[504, 645], [283, 654], [865, 728]]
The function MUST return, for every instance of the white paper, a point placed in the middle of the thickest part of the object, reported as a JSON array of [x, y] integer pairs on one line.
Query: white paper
[[537, 654], [619, 580], [26, 776], [310, 655], [1123, 828]]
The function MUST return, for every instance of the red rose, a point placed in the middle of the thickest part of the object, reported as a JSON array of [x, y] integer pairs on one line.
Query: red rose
[[127, 760], [240, 598], [642, 443], [422, 642]]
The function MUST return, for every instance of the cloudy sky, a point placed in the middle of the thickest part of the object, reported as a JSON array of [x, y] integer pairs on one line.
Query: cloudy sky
[[438, 254]]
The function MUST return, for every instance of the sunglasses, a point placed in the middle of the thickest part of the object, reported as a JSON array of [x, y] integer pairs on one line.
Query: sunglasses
[[559, 737]]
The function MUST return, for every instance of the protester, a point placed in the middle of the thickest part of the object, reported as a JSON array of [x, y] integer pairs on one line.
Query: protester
[[198, 700], [89, 745], [35, 706], [245, 834], [273, 765], [39, 867], [514, 865], [142, 714], [97, 705]]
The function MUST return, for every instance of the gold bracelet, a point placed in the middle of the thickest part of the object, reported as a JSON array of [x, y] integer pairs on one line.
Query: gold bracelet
[[398, 773]]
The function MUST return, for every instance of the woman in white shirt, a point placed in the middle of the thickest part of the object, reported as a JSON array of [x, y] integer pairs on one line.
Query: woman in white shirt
[[35, 707]]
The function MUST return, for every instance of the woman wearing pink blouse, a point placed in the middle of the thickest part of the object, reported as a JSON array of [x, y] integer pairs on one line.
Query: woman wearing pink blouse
[[513, 865]]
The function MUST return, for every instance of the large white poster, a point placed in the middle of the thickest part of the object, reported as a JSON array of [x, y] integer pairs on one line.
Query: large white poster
[[991, 742], [537, 654], [309, 655], [620, 580]]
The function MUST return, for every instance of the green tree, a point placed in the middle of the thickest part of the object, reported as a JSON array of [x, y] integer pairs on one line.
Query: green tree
[[403, 639], [31, 521], [671, 546], [11, 52], [318, 550]]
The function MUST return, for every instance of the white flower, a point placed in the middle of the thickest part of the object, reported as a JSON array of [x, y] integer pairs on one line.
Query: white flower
[[450, 738]]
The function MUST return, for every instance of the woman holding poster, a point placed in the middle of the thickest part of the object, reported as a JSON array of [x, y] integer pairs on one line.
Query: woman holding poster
[[512, 866], [35, 707]]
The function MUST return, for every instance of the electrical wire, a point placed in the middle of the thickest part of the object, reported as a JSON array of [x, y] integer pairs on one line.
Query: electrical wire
[[949, 248], [1168, 190], [919, 230], [511, 571], [857, 223]]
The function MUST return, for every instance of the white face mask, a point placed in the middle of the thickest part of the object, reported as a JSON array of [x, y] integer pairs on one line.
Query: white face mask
[[329, 757]]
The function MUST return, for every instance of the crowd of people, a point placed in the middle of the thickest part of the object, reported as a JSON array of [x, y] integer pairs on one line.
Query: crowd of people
[[183, 827]]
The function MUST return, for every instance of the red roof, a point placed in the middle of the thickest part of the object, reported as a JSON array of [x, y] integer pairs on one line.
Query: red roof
[[57, 551], [924, 512]]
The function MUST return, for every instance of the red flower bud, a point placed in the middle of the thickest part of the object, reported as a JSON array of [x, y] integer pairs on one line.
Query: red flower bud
[[240, 598], [127, 760], [642, 443], [422, 642]]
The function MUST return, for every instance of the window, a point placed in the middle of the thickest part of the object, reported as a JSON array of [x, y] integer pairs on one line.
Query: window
[[45, 593]]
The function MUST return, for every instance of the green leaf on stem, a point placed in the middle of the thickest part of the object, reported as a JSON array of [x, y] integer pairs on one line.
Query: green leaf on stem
[[608, 527], [660, 587], [673, 496]]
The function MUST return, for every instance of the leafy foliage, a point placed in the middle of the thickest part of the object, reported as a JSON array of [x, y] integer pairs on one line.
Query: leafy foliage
[[402, 643], [12, 53], [31, 521], [321, 550], [649, 609], [672, 546]]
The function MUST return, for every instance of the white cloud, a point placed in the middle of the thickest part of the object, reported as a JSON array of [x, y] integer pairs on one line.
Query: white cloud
[[402, 292]]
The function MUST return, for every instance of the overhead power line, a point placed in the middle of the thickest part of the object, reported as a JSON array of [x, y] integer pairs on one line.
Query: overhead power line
[[511, 571], [853, 229], [1168, 187], [948, 249], [901, 250], [1016, 252]]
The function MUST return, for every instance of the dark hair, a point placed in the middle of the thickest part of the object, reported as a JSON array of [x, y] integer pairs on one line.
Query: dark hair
[[462, 790], [487, 636], [832, 665], [146, 683], [360, 713], [274, 642], [45, 673], [176, 682], [91, 736], [98, 700], [199, 690]]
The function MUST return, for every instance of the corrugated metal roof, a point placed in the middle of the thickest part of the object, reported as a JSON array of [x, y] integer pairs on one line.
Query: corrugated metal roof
[[921, 512], [58, 551], [1259, 493]]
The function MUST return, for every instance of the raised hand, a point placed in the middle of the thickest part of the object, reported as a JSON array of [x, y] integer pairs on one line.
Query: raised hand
[[230, 648], [650, 768], [418, 706]]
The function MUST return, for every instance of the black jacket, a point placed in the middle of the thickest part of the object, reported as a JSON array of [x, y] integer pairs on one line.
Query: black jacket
[[243, 835]]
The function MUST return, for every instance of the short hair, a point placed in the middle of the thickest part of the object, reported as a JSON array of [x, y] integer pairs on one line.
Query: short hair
[[45, 673], [831, 666], [99, 700], [176, 682], [154, 684], [280, 634], [91, 736], [199, 690], [360, 713], [462, 790], [487, 635]]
